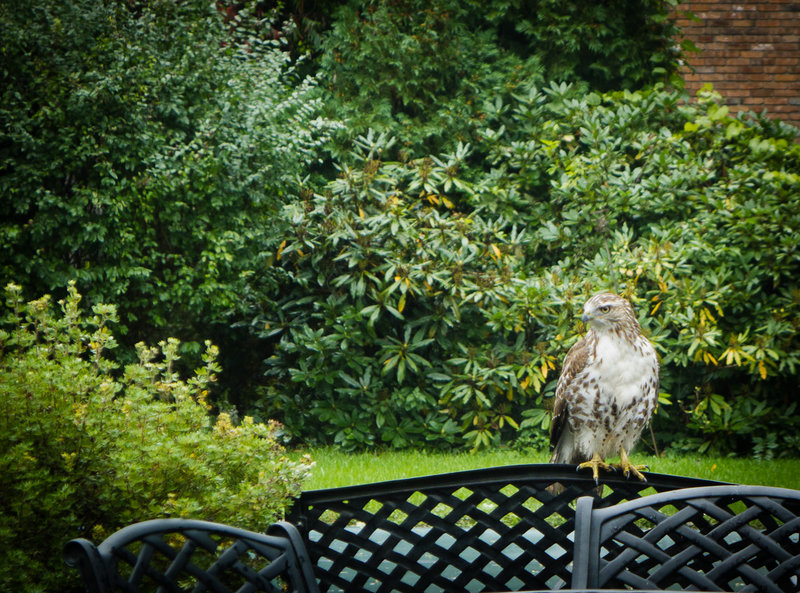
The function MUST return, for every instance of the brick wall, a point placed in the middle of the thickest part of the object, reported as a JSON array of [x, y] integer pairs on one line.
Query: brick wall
[[750, 52]]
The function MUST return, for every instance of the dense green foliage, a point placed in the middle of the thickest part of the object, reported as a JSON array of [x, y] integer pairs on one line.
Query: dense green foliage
[[422, 69], [418, 307], [690, 212], [141, 153], [86, 451], [411, 274], [383, 310]]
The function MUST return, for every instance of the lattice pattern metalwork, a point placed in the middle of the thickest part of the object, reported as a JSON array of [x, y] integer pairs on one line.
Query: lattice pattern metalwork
[[499, 529], [724, 538], [176, 555]]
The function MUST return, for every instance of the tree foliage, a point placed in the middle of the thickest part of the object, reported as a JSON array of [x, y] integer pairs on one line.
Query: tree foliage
[[421, 70], [141, 152], [416, 279], [417, 306], [86, 452], [688, 210]]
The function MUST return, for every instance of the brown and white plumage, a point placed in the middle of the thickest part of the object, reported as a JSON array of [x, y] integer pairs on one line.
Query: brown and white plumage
[[607, 390]]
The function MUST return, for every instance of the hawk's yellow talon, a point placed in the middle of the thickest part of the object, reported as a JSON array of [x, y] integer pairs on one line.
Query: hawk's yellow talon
[[628, 468], [596, 463]]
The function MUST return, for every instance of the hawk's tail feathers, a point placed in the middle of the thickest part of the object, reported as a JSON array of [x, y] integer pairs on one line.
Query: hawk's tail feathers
[[559, 456], [565, 451]]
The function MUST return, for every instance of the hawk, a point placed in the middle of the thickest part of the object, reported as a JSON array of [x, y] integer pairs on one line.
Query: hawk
[[607, 390]]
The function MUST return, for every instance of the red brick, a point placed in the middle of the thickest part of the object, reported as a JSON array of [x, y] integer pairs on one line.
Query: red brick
[[751, 52], [737, 46]]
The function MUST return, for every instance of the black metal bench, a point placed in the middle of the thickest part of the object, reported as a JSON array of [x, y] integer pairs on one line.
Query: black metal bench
[[499, 529], [177, 555], [717, 538]]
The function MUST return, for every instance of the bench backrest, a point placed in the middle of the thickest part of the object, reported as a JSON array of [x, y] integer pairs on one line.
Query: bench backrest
[[718, 538], [177, 555], [498, 529]]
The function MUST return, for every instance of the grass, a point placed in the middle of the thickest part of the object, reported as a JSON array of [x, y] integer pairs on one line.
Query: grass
[[335, 468]]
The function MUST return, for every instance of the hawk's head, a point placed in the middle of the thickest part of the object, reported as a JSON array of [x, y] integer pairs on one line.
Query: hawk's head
[[608, 312]]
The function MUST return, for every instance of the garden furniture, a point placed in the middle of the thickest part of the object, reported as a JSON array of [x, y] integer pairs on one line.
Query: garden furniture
[[715, 538], [499, 529], [172, 555]]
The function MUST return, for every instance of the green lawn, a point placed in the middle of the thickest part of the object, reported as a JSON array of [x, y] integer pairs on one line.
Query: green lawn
[[335, 468]]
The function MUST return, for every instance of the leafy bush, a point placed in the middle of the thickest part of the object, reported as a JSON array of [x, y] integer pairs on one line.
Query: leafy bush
[[422, 70], [385, 296], [143, 154], [417, 307], [85, 453], [693, 214], [168, 160]]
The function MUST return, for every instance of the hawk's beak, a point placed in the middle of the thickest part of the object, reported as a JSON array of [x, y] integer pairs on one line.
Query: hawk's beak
[[585, 318]]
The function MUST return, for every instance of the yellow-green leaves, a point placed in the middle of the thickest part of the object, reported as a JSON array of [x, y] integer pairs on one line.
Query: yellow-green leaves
[[88, 448]]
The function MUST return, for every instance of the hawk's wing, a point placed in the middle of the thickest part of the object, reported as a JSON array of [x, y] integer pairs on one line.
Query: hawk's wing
[[574, 363]]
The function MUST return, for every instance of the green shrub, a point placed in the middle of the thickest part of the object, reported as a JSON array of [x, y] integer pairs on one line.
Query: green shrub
[[384, 317], [691, 212], [418, 308], [422, 70], [142, 155], [86, 452]]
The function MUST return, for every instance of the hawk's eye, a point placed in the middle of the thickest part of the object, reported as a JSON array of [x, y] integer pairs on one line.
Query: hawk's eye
[[605, 309]]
